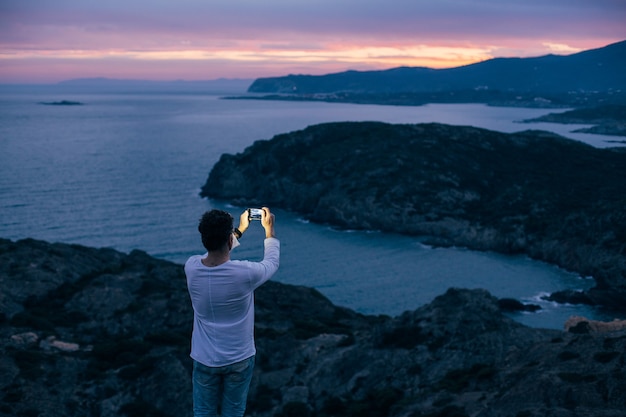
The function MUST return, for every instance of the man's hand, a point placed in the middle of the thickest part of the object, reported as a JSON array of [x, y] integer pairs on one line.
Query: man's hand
[[244, 221], [267, 221]]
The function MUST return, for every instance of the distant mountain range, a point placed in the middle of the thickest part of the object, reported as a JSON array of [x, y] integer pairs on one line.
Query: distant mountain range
[[143, 85], [596, 70], [123, 86]]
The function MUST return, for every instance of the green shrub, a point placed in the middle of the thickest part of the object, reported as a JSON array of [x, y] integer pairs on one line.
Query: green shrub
[[141, 408], [443, 401], [29, 412], [403, 337], [376, 403], [31, 363], [347, 341], [12, 394], [610, 342], [169, 338], [448, 411], [414, 369], [117, 353], [459, 379], [334, 406], [28, 320], [567, 355], [295, 409], [574, 377], [263, 399], [308, 328], [151, 286], [605, 357], [129, 373]]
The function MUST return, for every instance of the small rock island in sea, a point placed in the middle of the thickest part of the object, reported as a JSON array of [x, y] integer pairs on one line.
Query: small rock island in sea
[[62, 103]]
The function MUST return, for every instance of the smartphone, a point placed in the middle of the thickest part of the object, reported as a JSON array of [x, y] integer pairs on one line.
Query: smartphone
[[255, 214]]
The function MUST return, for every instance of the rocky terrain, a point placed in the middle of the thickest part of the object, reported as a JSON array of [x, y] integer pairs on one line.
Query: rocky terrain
[[95, 332], [607, 119], [535, 193]]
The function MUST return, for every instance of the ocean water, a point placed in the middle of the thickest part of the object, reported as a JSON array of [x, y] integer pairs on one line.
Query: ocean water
[[124, 171]]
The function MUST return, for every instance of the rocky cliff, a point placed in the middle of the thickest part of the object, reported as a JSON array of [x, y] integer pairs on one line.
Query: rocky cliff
[[536, 193], [94, 332]]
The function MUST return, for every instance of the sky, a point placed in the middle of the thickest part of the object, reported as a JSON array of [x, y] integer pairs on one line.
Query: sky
[[47, 41]]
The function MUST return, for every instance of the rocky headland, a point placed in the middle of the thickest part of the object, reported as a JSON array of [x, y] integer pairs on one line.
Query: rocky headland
[[583, 79], [535, 193], [95, 332], [606, 119]]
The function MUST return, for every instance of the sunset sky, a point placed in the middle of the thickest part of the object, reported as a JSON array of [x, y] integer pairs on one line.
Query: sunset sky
[[44, 41]]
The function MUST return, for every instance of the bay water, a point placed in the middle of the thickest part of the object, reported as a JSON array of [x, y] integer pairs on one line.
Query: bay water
[[124, 171]]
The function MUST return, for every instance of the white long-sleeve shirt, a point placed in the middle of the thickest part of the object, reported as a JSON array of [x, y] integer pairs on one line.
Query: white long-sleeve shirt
[[223, 304]]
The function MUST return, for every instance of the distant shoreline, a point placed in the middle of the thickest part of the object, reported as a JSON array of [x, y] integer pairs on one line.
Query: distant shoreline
[[609, 120], [495, 99]]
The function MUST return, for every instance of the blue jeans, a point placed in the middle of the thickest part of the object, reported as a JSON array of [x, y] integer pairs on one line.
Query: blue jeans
[[230, 384]]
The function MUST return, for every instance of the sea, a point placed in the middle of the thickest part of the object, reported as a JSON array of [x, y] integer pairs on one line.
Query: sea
[[125, 170]]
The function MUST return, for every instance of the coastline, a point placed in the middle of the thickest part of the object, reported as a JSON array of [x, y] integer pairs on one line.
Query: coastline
[[532, 192]]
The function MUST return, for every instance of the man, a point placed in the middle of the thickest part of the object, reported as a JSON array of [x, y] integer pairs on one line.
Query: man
[[222, 296]]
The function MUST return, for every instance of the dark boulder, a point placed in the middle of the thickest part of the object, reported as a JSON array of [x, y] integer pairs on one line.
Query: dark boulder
[[512, 305]]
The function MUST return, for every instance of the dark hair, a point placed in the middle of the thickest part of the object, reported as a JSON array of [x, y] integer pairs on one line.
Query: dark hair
[[215, 228]]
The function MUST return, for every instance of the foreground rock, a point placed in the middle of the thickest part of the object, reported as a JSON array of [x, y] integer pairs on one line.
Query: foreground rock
[[536, 193], [94, 332]]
